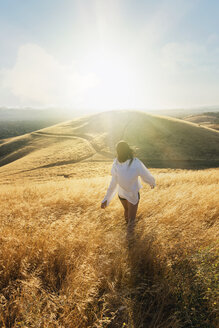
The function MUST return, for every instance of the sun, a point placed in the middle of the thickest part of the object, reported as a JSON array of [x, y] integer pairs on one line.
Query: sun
[[119, 82]]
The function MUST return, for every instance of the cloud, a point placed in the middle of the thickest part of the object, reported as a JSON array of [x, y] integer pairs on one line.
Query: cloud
[[38, 78]]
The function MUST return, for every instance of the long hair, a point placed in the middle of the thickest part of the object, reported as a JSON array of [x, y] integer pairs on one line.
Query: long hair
[[124, 152]]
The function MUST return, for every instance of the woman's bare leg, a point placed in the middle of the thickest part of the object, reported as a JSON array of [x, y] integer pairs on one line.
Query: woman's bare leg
[[125, 205], [132, 211]]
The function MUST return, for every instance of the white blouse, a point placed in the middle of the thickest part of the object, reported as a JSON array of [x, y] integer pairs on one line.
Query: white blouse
[[125, 180]]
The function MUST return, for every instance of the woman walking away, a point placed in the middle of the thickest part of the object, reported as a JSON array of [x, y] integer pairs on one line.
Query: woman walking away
[[125, 172]]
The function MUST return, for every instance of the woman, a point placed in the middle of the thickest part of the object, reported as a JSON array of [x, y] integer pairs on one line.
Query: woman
[[125, 172]]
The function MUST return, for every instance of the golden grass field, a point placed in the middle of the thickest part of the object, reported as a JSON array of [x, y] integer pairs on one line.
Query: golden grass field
[[65, 263]]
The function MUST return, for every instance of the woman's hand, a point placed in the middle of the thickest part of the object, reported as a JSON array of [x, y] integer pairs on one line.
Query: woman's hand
[[103, 205]]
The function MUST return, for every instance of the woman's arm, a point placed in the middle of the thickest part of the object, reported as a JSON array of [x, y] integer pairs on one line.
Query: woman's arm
[[146, 175], [111, 191]]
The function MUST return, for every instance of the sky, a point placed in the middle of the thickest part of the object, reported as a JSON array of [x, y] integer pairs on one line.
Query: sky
[[109, 54]]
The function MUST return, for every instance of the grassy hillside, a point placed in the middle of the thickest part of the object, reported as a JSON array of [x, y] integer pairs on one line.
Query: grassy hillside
[[159, 142], [64, 262], [210, 120]]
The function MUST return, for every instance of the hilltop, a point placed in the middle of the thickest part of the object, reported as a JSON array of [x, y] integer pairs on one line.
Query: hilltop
[[158, 141]]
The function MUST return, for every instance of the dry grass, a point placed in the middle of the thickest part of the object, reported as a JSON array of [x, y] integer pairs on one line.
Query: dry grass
[[64, 262]]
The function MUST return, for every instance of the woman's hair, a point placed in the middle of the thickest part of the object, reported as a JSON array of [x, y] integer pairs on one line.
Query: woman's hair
[[124, 152]]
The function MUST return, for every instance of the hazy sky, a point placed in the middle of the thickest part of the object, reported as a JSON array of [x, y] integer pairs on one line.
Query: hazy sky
[[109, 54]]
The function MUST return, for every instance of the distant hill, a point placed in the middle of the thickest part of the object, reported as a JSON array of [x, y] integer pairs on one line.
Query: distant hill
[[62, 114], [10, 129], [158, 141], [15, 122], [31, 114], [210, 120], [183, 112]]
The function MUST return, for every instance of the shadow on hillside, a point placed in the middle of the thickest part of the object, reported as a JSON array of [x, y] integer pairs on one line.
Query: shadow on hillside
[[152, 304], [163, 297], [181, 164], [166, 164]]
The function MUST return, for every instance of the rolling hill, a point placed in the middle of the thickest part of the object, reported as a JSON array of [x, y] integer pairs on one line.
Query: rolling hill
[[158, 141], [210, 120]]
